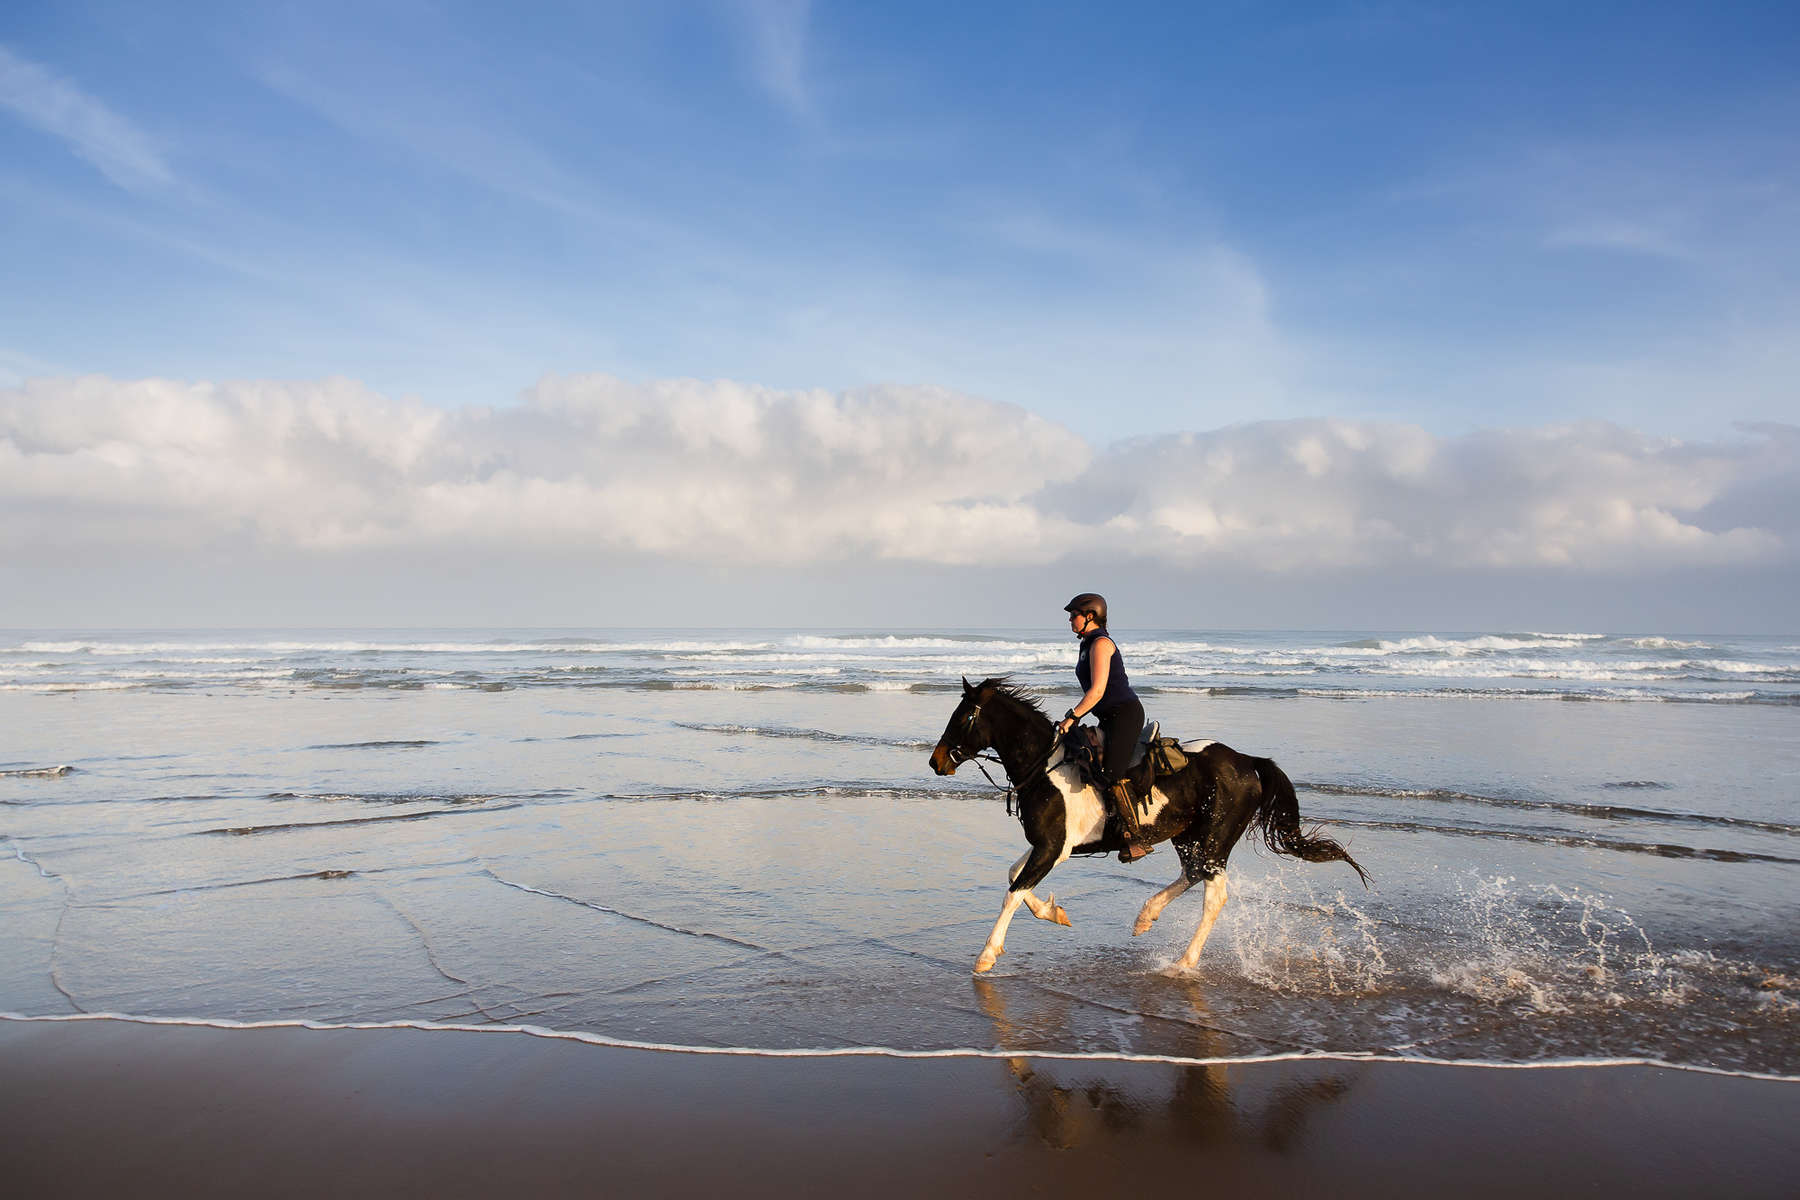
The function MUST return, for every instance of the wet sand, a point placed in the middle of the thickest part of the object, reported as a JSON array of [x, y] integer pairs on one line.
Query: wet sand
[[96, 1108]]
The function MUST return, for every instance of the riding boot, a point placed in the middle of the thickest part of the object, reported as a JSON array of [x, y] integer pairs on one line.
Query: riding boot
[[1135, 845]]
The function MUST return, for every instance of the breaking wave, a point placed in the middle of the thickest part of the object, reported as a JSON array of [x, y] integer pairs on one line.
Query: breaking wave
[[1515, 665], [811, 735]]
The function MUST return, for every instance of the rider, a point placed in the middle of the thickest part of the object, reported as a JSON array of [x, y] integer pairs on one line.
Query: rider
[[1107, 694]]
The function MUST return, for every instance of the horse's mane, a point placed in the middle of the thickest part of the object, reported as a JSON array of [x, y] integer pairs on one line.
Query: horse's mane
[[1003, 685]]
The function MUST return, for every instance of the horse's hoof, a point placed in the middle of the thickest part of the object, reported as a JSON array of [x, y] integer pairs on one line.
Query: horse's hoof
[[1142, 927], [1061, 917], [985, 963]]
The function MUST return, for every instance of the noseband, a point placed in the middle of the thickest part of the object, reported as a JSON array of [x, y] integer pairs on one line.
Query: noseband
[[959, 756]]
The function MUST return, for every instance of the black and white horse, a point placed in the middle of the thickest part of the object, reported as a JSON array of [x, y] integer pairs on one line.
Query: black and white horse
[[1203, 810]]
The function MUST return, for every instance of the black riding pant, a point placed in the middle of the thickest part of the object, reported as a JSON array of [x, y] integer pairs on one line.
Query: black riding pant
[[1124, 724]]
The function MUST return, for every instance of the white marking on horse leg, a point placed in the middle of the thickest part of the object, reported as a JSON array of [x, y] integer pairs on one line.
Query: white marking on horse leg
[[1153, 907], [1215, 900], [996, 943], [1045, 910]]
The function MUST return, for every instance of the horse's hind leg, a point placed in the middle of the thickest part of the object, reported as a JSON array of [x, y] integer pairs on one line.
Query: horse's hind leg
[[1043, 910], [1153, 907], [1215, 900]]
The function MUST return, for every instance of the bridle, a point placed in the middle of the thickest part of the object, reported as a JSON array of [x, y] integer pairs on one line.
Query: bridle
[[959, 756]]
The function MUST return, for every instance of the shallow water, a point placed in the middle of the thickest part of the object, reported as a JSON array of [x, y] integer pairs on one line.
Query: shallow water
[[1583, 847]]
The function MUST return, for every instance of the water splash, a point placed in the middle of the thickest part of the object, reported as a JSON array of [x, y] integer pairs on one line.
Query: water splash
[[1554, 949], [1285, 938], [1547, 947]]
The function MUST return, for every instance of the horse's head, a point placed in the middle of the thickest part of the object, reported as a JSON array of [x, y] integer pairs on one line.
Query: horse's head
[[966, 734]]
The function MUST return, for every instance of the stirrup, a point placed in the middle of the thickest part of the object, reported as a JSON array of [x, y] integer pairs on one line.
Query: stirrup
[[1143, 849]]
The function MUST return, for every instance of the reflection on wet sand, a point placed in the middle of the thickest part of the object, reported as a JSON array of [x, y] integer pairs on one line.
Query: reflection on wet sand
[[1199, 1107]]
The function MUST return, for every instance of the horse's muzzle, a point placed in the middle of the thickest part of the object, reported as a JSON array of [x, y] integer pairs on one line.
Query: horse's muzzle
[[941, 762]]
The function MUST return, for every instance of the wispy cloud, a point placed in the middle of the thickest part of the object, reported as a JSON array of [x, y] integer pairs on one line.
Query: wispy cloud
[[437, 125], [1639, 236], [692, 471], [1708, 202], [39, 97], [775, 33]]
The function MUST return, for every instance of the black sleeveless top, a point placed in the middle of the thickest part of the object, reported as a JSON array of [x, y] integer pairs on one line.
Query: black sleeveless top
[[1118, 687]]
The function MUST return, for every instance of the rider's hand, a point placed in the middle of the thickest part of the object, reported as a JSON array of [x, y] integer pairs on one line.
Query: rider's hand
[[1063, 726]]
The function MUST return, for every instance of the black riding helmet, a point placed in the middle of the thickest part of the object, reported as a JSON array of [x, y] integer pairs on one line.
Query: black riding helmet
[[1092, 603]]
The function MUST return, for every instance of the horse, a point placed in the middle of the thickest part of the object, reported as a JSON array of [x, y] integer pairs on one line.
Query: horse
[[1202, 809]]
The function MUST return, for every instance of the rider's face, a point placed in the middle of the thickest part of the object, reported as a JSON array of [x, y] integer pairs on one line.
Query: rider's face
[[1079, 621]]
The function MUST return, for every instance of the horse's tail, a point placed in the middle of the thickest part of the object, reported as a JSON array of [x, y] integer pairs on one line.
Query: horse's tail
[[1278, 820]]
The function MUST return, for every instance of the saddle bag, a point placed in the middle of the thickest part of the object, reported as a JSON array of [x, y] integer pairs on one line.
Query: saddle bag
[[1167, 757]]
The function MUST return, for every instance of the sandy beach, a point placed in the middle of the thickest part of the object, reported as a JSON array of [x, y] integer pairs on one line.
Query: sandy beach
[[117, 1108]]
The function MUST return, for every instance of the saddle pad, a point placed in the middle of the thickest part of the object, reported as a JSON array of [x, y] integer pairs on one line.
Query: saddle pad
[[1152, 730], [1197, 745]]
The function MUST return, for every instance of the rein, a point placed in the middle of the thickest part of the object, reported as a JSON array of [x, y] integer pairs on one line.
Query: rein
[[1011, 794]]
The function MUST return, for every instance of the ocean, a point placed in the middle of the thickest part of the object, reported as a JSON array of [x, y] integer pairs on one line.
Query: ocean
[[1584, 846]]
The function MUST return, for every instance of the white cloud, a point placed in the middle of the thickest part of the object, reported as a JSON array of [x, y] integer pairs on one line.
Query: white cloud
[[718, 471], [37, 96], [1314, 493], [689, 470]]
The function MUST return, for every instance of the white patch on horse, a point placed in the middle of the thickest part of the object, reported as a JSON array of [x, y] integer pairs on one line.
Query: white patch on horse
[[1197, 745], [1158, 801], [1084, 815]]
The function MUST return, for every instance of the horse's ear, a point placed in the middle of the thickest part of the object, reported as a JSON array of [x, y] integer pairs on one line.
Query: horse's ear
[[967, 690]]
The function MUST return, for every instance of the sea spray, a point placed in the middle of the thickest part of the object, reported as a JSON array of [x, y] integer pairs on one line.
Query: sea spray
[[1549, 947], [1552, 948], [1285, 938]]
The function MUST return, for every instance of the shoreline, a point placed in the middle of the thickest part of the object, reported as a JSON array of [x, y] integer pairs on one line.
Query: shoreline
[[603, 1041], [93, 1105]]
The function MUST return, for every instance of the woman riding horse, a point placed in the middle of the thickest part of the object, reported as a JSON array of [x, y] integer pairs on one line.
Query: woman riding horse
[[1106, 692]]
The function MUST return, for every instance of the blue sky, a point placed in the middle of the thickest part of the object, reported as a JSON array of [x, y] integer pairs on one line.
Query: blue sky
[[811, 307], [1128, 218]]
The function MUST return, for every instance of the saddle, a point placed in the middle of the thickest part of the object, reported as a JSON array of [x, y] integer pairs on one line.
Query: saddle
[[1164, 755]]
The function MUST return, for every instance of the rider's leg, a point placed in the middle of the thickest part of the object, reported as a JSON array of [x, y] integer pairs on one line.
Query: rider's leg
[[1123, 725], [1125, 804]]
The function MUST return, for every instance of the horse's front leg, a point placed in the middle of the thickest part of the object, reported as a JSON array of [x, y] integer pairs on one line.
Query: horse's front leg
[[1025, 876], [1043, 910]]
